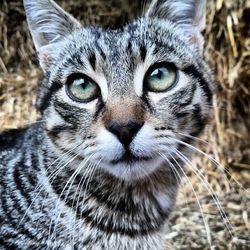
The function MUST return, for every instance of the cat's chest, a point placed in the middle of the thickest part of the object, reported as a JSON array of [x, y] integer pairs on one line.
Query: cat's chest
[[109, 242], [99, 224], [77, 235]]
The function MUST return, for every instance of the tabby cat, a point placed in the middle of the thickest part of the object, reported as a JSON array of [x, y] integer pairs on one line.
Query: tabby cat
[[119, 110]]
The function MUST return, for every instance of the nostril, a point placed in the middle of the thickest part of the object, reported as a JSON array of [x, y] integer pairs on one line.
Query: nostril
[[125, 132]]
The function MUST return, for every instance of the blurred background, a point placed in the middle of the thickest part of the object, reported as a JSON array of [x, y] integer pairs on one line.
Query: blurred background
[[222, 195]]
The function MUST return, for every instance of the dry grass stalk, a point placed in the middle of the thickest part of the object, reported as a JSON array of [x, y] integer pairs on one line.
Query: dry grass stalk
[[228, 50]]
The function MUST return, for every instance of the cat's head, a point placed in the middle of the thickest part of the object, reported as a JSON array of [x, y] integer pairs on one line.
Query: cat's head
[[127, 100]]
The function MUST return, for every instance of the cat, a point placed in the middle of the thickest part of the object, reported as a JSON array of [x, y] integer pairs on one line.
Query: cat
[[119, 109]]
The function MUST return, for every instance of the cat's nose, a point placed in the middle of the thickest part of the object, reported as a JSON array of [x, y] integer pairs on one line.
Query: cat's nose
[[125, 132]]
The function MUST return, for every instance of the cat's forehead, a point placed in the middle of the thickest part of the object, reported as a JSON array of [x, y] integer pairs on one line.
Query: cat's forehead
[[131, 44], [118, 55], [144, 31]]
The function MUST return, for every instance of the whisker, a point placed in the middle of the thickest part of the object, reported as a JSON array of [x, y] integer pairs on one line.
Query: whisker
[[95, 166], [70, 183], [194, 138], [210, 189], [221, 108], [175, 172], [84, 175], [56, 172], [40, 186], [58, 169], [205, 221], [214, 161], [78, 191], [52, 178]]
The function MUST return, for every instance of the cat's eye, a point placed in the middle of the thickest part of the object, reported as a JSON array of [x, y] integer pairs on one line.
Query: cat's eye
[[81, 88], [160, 78]]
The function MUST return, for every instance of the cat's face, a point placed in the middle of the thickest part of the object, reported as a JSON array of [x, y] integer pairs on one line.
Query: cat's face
[[123, 99]]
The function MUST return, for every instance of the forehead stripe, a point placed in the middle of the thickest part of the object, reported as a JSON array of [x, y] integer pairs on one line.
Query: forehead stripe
[[143, 52], [92, 60]]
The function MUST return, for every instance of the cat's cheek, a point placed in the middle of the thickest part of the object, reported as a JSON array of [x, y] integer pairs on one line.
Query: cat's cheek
[[53, 118], [150, 142], [108, 146], [143, 143]]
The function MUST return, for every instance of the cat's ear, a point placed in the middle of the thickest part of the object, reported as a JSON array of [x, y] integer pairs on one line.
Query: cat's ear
[[48, 24], [190, 15]]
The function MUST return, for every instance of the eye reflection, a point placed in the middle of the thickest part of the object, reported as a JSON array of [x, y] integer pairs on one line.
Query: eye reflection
[[160, 79], [82, 88]]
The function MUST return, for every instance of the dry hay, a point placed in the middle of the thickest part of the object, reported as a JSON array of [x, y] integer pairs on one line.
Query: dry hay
[[227, 139]]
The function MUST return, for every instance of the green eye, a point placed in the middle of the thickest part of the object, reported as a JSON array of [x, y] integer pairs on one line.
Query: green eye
[[81, 88], [160, 78]]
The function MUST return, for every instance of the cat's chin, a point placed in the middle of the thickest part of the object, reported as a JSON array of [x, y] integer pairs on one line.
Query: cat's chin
[[133, 169]]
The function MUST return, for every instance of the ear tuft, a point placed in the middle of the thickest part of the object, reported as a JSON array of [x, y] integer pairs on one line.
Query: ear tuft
[[188, 15], [48, 24]]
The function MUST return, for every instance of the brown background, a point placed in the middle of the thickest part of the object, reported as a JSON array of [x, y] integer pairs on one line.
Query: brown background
[[227, 138]]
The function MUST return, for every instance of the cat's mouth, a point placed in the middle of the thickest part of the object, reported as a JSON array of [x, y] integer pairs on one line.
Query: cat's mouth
[[130, 158]]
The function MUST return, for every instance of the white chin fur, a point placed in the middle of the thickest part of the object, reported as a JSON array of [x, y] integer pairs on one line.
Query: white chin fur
[[145, 144], [135, 171]]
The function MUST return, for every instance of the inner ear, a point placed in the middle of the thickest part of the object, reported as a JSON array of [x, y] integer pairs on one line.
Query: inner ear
[[189, 16], [48, 24]]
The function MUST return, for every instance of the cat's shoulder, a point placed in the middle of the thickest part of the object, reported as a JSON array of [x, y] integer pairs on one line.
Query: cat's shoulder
[[15, 138], [11, 138]]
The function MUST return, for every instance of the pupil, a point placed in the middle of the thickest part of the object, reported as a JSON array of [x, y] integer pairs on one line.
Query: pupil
[[84, 85], [159, 74]]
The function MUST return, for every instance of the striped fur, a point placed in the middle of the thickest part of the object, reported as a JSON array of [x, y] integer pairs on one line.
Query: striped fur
[[68, 182]]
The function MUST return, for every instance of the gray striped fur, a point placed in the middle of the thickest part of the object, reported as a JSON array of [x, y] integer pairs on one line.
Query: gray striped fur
[[62, 183]]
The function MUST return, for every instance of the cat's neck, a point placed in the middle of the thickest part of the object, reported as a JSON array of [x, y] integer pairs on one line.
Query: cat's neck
[[116, 206]]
